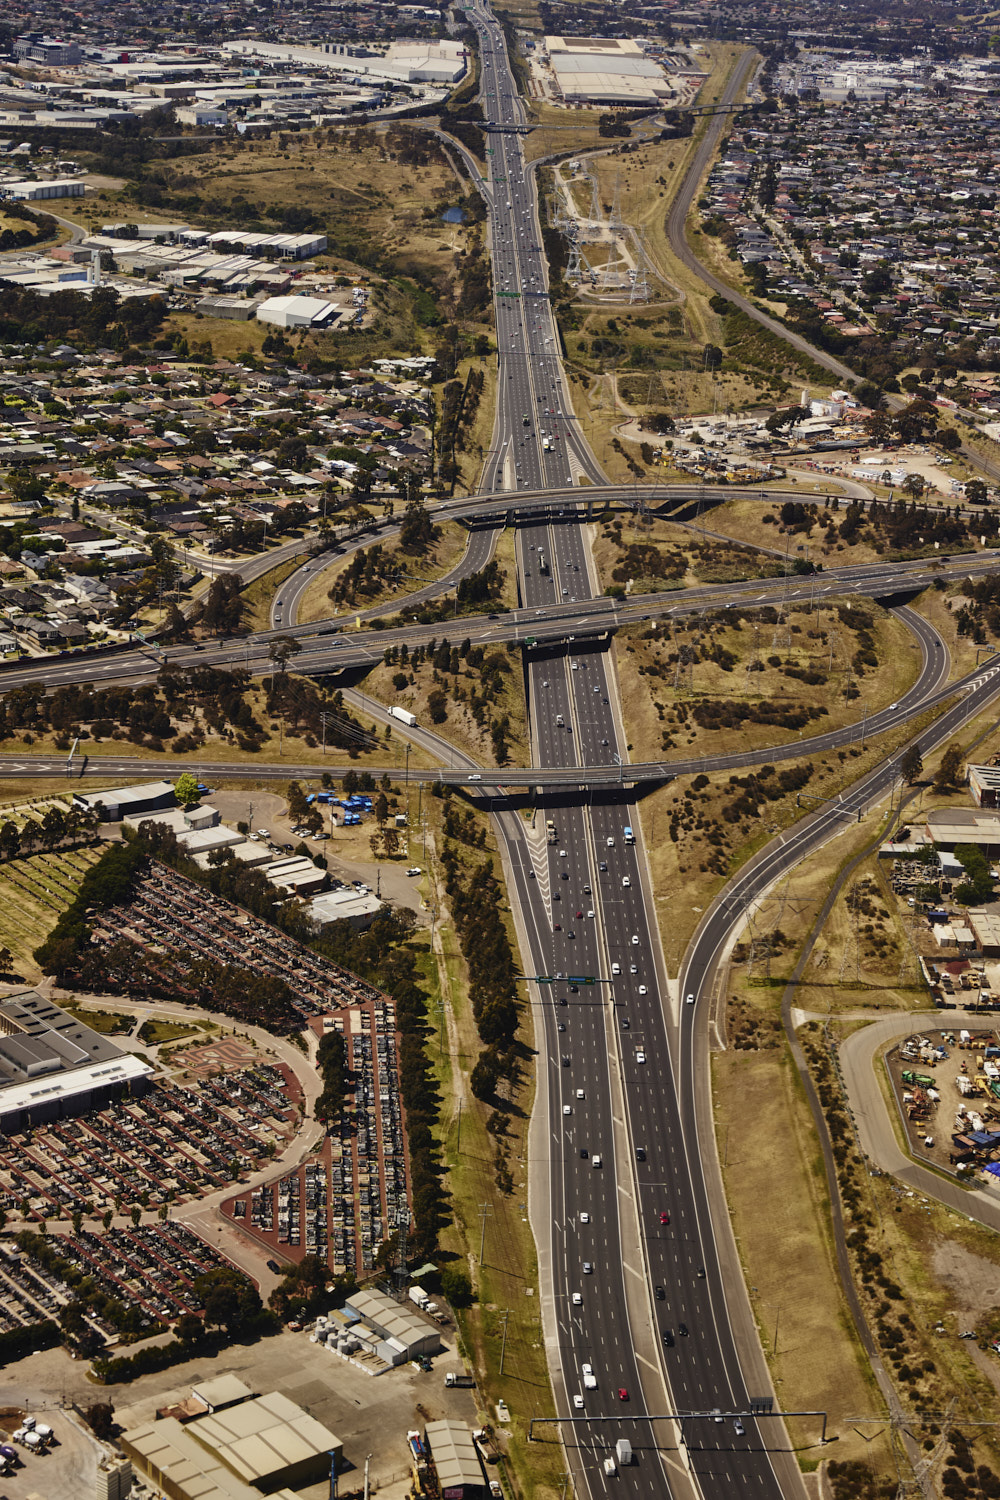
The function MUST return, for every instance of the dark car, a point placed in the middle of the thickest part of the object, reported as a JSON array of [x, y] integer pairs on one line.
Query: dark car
[[668, 1337], [626, 1025], [640, 1153], [660, 1293], [584, 1152], [682, 1329], [273, 1265]]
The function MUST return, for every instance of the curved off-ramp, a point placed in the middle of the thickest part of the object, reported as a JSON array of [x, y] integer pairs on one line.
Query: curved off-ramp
[[860, 1058]]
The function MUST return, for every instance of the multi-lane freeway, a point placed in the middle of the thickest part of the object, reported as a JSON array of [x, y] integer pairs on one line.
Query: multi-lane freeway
[[620, 1213]]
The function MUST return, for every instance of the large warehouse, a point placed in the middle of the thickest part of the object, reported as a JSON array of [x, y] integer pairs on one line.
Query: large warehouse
[[607, 70], [240, 1451], [53, 1066]]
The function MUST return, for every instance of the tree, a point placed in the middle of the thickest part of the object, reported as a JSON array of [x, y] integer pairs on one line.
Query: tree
[[949, 440], [189, 1328], [911, 765], [282, 649], [975, 493], [950, 769], [417, 532], [914, 485], [298, 806], [456, 1287], [100, 1418], [10, 840], [6, 960], [186, 789]]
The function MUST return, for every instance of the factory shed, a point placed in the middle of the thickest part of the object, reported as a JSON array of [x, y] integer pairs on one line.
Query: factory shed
[[456, 1459], [395, 1322]]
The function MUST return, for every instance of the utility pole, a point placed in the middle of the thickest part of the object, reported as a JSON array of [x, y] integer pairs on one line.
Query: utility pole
[[503, 1346], [484, 1213]]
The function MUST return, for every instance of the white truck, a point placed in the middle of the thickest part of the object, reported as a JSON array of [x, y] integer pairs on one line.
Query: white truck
[[623, 1451], [589, 1378], [418, 1296], [403, 714]]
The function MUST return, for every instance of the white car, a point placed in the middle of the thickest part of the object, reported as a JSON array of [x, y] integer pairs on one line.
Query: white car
[[642, 989], [626, 881], [633, 968], [640, 1057], [577, 1300], [590, 913], [690, 999], [584, 1217], [578, 1401], [580, 1094], [635, 940], [567, 1109], [414, 870]]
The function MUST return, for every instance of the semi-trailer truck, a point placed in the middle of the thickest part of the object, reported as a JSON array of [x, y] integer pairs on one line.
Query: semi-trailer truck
[[403, 714]]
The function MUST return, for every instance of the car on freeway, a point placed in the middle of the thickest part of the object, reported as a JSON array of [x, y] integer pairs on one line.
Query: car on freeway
[[640, 1153], [642, 989], [690, 999], [664, 1216], [596, 1162], [567, 1109], [584, 1217], [584, 1153], [635, 940], [588, 1268], [578, 1401], [622, 1393], [738, 1428], [701, 1273], [660, 1293], [640, 1057], [626, 882], [625, 1023], [580, 1094], [603, 867], [682, 1329], [668, 1337]]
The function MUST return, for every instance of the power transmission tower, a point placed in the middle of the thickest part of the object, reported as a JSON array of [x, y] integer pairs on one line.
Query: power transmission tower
[[640, 278], [616, 223]]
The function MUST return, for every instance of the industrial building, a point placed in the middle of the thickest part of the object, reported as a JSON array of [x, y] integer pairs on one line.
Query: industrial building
[[53, 1066], [297, 312], [607, 70], [984, 784], [31, 192], [241, 1448], [127, 801], [345, 905], [456, 1460], [948, 827], [403, 1332]]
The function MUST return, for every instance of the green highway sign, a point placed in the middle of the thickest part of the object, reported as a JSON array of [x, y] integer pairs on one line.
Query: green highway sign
[[581, 979]]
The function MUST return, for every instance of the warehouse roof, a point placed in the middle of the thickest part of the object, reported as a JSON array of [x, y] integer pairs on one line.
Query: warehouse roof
[[394, 1319], [263, 1437], [175, 1460], [454, 1453]]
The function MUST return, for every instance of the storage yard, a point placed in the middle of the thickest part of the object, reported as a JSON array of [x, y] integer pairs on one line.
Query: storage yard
[[947, 1088]]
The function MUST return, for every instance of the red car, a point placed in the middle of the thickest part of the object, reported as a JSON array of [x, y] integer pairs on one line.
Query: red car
[[664, 1217], [622, 1393]]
